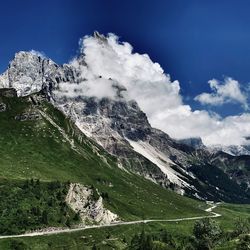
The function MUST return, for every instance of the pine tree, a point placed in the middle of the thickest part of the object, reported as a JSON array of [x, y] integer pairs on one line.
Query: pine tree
[[94, 247], [45, 219]]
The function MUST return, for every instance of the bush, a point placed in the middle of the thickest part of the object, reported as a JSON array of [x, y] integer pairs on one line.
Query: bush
[[95, 194], [242, 226], [18, 245], [244, 243], [207, 232], [30, 204]]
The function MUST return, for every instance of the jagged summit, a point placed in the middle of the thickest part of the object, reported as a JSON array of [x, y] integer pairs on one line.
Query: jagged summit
[[99, 36], [29, 73]]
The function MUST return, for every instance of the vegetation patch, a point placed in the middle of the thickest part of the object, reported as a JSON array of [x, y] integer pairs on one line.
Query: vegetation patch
[[31, 204]]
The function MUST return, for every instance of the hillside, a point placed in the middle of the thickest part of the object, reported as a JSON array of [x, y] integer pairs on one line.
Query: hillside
[[38, 142]]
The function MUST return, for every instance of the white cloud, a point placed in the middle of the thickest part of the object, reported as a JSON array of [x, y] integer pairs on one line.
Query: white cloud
[[155, 93], [144, 80], [97, 87], [223, 92]]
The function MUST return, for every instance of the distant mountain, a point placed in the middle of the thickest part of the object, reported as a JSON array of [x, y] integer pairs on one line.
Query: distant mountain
[[193, 142], [122, 129], [235, 150]]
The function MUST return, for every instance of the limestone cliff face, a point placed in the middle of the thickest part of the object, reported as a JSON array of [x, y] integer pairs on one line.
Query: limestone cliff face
[[81, 200], [29, 73]]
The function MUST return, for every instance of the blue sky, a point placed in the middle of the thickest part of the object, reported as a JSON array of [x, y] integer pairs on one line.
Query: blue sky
[[194, 41]]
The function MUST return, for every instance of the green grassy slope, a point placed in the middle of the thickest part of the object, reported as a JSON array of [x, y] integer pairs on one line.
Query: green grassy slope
[[39, 149]]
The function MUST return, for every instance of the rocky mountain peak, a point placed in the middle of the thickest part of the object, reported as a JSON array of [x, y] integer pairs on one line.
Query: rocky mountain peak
[[99, 36], [30, 72]]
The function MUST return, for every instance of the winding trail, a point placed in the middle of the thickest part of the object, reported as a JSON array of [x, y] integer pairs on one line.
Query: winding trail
[[70, 230]]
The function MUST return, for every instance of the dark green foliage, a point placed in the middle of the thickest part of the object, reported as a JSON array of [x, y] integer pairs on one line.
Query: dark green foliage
[[167, 238], [244, 243], [242, 226], [94, 247], [68, 222], [206, 228], [44, 219], [146, 241], [77, 217], [105, 196], [207, 235], [95, 194], [142, 242], [30, 204], [207, 232], [148, 244], [18, 245]]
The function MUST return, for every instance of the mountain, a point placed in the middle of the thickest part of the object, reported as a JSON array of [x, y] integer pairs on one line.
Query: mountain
[[119, 126], [235, 150]]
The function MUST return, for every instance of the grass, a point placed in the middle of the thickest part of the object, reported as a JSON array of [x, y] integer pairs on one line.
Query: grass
[[231, 212], [37, 149], [105, 238]]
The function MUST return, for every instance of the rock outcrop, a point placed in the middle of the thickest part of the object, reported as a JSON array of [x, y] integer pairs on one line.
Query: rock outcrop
[[90, 208]]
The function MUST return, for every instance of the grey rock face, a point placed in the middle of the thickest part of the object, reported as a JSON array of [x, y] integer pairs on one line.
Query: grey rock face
[[29, 73]]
